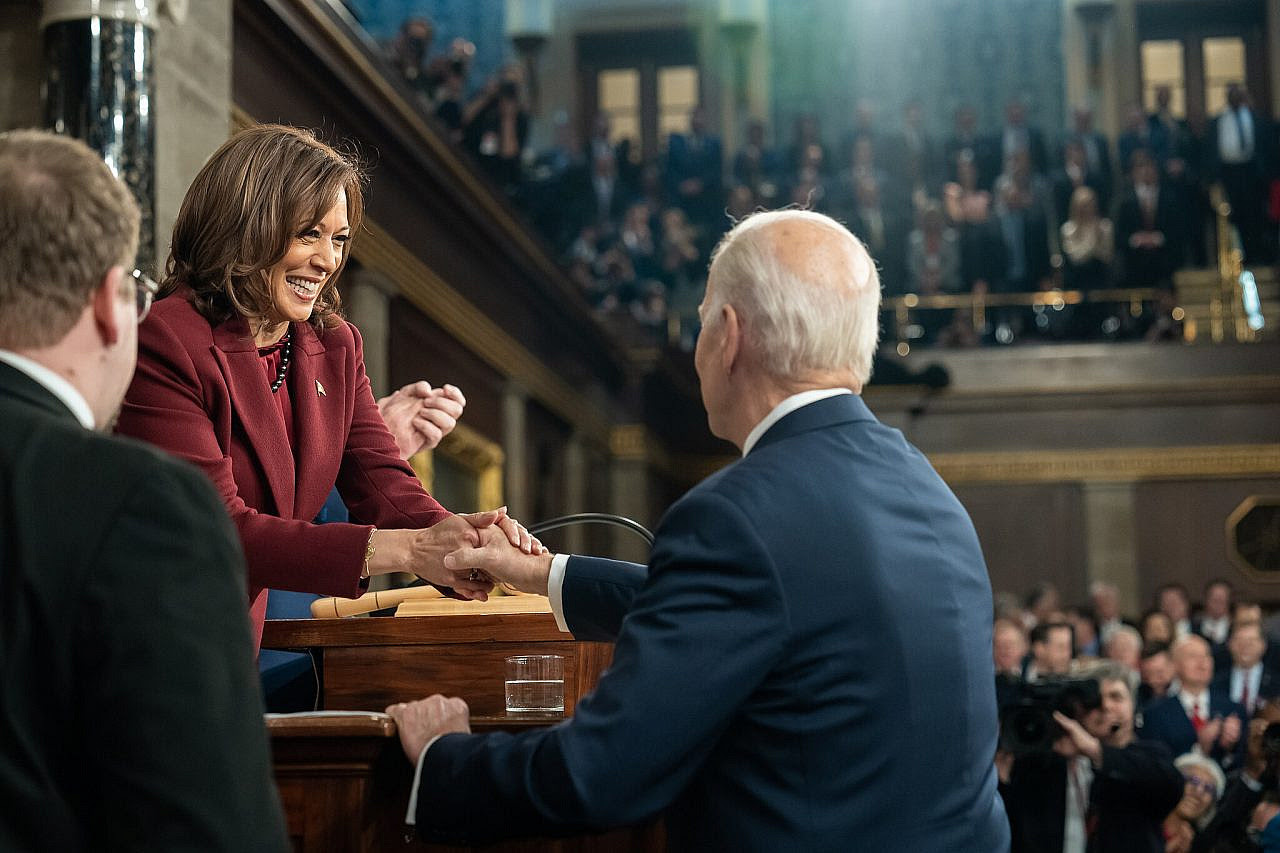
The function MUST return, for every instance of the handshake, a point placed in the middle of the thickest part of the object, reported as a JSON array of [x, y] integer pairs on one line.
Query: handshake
[[466, 553]]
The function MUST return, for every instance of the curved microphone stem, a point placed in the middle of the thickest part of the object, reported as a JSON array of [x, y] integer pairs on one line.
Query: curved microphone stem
[[593, 518]]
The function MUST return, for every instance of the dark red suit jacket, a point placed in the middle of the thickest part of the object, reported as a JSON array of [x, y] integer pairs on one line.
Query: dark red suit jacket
[[200, 393]]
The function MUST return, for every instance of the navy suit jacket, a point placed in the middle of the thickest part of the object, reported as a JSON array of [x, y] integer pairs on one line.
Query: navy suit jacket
[[805, 665], [1166, 720]]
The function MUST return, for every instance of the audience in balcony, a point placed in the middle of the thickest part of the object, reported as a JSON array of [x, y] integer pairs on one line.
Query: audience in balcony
[[1012, 224]]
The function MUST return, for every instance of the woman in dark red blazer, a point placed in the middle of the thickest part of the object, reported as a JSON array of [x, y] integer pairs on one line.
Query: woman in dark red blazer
[[247, 370]]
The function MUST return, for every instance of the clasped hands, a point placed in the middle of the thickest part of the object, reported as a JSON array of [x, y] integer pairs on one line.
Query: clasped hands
[[441, 554], [493, 556]]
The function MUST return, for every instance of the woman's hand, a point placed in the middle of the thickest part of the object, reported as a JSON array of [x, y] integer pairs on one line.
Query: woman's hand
[[515, 532]]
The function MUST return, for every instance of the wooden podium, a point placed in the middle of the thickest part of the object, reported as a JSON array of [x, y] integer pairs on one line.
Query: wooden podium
[[344, 780]]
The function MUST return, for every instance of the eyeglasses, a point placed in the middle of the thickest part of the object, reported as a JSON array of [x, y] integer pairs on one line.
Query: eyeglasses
[[1201, 785], [147, 290]]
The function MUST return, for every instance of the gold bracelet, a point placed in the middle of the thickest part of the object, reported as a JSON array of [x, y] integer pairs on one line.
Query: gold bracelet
[[368, 555]]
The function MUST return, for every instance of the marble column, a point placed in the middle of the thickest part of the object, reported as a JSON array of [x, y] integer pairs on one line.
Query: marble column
[[575, 490], [515, 444], [367, 297], [99, 86], [1110, 527]]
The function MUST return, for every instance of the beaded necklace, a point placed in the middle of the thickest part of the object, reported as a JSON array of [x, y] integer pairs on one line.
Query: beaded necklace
[[286, 350]]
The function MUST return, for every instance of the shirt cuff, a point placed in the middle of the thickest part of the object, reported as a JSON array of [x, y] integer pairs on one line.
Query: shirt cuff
[[411, 817], [555, 589]]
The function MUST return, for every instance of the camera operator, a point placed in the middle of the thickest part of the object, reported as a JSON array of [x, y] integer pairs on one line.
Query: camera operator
[[1229, 829], [1097, 789]]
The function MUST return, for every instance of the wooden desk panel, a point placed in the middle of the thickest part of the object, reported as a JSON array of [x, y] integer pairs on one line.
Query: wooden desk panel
[[367, 664], [344, 780]]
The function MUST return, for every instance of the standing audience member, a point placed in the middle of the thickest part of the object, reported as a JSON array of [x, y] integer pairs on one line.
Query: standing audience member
[[1088, 244], [1018, 138], [1238, 144], [1097, 153], [1124, 646], [1198, 715], [694, 171], [1248, 681], [1100, 788], [1156, 669], [758, 166], [1157, 627], [1010, 646], [1105, 598], [966, 142], [1174, 602], [1051, 651], [131, 713], [1147, 231], [1214, 623], [1135, 137]]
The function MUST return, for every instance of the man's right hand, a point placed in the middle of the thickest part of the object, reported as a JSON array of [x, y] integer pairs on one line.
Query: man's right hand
[[1207, 737], [496, 558]]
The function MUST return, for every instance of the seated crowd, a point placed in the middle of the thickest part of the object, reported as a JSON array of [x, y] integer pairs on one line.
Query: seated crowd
[[1175, 752], [1009, 211]]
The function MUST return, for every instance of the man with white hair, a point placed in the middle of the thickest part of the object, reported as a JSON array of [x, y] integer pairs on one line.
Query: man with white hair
[[811, 640], [1199, 716]]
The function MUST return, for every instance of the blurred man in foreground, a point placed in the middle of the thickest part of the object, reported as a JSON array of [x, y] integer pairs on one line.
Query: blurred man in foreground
[[781, 681], [130, 716]]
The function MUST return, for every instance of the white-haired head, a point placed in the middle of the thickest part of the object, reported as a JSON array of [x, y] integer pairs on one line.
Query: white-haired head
[[806, 290]]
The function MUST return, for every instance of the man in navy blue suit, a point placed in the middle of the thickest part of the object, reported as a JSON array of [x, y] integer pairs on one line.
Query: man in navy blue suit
[[1200, 713], [805, 664]]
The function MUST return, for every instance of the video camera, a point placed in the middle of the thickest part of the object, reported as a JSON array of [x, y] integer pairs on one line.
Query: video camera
[[1026, 720]]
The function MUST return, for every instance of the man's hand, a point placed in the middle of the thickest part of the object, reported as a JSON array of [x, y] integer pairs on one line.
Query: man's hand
[[1208, 734], [428, 549], [1230, 735], [420, 416], [496, 558], [1076, 741], [419, 722], [514, 530]]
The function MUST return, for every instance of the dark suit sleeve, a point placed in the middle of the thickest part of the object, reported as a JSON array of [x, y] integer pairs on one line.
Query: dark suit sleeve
[[705, 630], [597, 594], [168, 692], [1140, 777]]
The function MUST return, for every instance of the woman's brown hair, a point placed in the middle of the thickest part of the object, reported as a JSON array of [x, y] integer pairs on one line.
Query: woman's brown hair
[[263, 187]]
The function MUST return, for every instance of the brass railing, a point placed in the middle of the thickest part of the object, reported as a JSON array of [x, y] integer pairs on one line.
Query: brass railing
[[977, 304], [1228, 315]]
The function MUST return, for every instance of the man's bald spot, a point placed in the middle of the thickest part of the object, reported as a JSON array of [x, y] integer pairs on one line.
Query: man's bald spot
[[1184, 642], [815, 251]]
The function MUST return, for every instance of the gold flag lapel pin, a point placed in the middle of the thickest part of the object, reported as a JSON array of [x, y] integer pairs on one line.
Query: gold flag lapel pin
[[320, 389]]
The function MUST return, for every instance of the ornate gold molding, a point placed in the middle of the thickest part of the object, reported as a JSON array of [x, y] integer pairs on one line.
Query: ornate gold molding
[[475, 453], [1110, 465], [634, 442]]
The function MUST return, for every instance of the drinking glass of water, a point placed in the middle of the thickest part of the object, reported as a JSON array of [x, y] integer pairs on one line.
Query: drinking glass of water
[[535, 684]]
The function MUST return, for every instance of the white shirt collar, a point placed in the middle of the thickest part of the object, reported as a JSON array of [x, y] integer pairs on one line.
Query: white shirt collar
[[53, 383], [786, 407]]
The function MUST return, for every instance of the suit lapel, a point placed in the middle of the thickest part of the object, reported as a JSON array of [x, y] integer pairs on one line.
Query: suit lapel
[[318, 399], [252, 403], [843, 408]]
